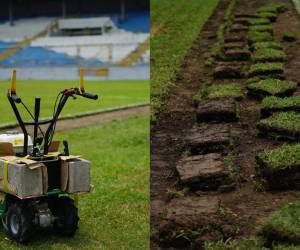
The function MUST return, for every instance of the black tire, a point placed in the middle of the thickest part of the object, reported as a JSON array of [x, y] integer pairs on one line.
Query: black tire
[[19, 222], [67, 217]]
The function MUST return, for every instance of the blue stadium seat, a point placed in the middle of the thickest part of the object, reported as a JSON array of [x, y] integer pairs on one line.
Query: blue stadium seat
[[39, 56], [135, 22]]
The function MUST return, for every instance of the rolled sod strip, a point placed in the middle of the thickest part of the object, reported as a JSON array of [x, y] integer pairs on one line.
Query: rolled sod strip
[[266, 45], [257, 36], [266, 69], [280, 167], [273, 104], [217, 110], [268, 55], [271, 87], [283, 225], [285, 125], [205, 172], [217, 91]]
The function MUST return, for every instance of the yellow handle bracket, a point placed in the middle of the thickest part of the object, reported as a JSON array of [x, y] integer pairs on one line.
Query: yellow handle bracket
[[81, 81], [13, 88]]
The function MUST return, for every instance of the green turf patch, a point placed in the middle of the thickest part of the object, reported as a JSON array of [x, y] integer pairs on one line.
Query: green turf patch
[[111, 94], [252, 243], [266, 45], [178, 26], [262, 28], [272, 104], [284, 125], [268, 55], [269, 15], [290, 37], [270, 69], [272, 8], [259, 21], [273, 87], [283, 225], [219, 91], [255, 36], [284, 157], [263, 77], [280, 167]]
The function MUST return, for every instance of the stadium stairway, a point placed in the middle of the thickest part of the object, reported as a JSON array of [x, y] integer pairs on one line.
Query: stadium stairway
[[133, 57], [25, 42]]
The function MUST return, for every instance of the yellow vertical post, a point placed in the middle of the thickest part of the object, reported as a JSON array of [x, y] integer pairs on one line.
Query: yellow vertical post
[[13, 88], [81, 81]]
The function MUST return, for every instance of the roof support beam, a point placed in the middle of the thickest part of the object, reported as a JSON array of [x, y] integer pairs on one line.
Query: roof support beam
[[10, 12]]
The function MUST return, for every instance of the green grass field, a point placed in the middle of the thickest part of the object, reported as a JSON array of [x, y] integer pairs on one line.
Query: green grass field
[[177, 24], [116, 214], [112, 94]]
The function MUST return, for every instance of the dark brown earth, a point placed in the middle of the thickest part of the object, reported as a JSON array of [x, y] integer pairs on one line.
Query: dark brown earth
[[242, 209], [223, 109], [208, 138]]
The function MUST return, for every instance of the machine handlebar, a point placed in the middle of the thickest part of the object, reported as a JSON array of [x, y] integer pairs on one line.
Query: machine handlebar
[[76, 91], [89, 96]]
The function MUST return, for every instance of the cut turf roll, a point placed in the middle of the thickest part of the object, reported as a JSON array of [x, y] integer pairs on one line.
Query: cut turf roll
[[216, 91], [269, 15], [262, 28], [256, 36], [259, 21], [271, 87], [284, 125], [270, 69], [217, 110], [282, 226], [280, 167], [266, 45], [268, 55], [273, 104]]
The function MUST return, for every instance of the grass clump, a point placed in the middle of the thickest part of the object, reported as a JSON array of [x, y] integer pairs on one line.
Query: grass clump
[[219, 91], [259, 21], [266, 45], [256, 36], [268, 55], [272, 8], [265, 69], [290, 37], [272, 86], [285, 125], [262, 28], [286, 156], [283, 225], [277, 103], [252, 243], [269, 15]]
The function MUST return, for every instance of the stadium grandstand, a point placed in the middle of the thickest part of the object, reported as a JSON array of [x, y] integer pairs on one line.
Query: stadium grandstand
[[52, 39]]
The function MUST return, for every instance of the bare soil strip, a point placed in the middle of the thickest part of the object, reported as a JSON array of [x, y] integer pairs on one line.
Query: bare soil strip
[[187, 217]]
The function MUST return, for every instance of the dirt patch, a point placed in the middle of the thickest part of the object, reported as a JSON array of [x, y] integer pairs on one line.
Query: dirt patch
[[228, 70], [237, 54], [205, 172], [223, 109], [245, 203], [234, 45], [208, 138]]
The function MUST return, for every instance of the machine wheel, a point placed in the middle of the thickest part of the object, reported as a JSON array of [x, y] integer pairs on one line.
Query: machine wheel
[[19, 222], [67, 221]]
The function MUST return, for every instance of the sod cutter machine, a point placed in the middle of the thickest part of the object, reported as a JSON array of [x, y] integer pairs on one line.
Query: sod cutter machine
[[38, 184]]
